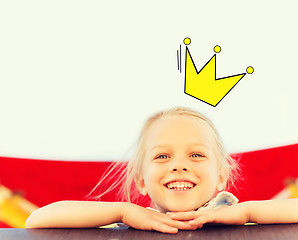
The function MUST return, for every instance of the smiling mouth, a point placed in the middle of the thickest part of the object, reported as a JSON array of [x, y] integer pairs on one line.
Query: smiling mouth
[[180, 186]]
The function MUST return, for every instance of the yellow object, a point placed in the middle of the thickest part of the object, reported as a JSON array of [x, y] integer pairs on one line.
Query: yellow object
[[290, 191], [293, 189], [217, 49], [187, 41], [14, 209], [250, 70], [113, 225], [203, 85]]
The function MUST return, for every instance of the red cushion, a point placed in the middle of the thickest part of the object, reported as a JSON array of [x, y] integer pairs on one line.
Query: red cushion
[[46, 181]]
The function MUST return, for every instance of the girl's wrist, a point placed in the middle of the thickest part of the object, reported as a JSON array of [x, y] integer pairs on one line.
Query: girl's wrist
[[247, 210], [123, 210]]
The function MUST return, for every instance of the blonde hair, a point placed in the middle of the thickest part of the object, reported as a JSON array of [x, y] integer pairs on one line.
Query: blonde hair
[[126, 175]]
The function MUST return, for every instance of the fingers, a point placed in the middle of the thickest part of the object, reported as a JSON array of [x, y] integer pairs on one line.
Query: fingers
[[183, 225], [184, 216], [161, 227], [200, 221], [164, 223], [195, 219]]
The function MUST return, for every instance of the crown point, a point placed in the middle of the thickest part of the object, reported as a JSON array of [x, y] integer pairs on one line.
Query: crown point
[[217, 49], [250, 70], [187, 41]]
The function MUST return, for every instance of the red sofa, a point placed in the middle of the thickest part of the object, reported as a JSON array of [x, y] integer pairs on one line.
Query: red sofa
[[44, 181]]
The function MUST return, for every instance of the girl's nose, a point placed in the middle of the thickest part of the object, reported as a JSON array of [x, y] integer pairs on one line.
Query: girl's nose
[[179, 164], [180, 169]]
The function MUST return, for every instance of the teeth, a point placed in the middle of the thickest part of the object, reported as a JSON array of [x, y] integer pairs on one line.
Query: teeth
[[180, 185]]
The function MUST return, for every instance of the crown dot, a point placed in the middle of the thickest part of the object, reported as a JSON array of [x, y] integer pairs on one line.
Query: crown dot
[[187, 41], [249, 70], [217, 49]]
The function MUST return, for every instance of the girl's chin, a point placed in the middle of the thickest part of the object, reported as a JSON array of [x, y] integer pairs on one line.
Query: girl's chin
[[178, 209], [182, 210]]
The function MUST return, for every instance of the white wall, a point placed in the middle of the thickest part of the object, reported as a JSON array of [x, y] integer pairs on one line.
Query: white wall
[[78, 78]]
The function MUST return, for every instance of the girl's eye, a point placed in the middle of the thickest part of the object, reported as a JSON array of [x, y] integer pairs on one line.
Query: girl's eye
[[197, 155], [162, 156]]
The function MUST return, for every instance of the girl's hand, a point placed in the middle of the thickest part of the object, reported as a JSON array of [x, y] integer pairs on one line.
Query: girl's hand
[[234, 215], [146, 219]]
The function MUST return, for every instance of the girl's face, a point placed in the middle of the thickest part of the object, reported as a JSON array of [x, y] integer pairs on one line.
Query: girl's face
[[179, 171]]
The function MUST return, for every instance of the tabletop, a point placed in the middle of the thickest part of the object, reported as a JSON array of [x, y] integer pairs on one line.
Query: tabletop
[[222, 232]]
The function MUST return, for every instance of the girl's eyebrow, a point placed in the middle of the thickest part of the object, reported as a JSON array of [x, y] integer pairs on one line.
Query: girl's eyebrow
[[160, 146], [168, 146], [200, 144]]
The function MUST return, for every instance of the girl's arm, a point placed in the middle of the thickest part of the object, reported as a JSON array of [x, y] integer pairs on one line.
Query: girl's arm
[[273, 211], [263, 212], [85, 214], [75, 214]]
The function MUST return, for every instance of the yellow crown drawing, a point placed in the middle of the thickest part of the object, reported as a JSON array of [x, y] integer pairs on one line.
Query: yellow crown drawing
[[203, 84]]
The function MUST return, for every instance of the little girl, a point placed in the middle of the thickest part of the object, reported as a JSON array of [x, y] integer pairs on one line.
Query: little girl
[[180, 162]]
